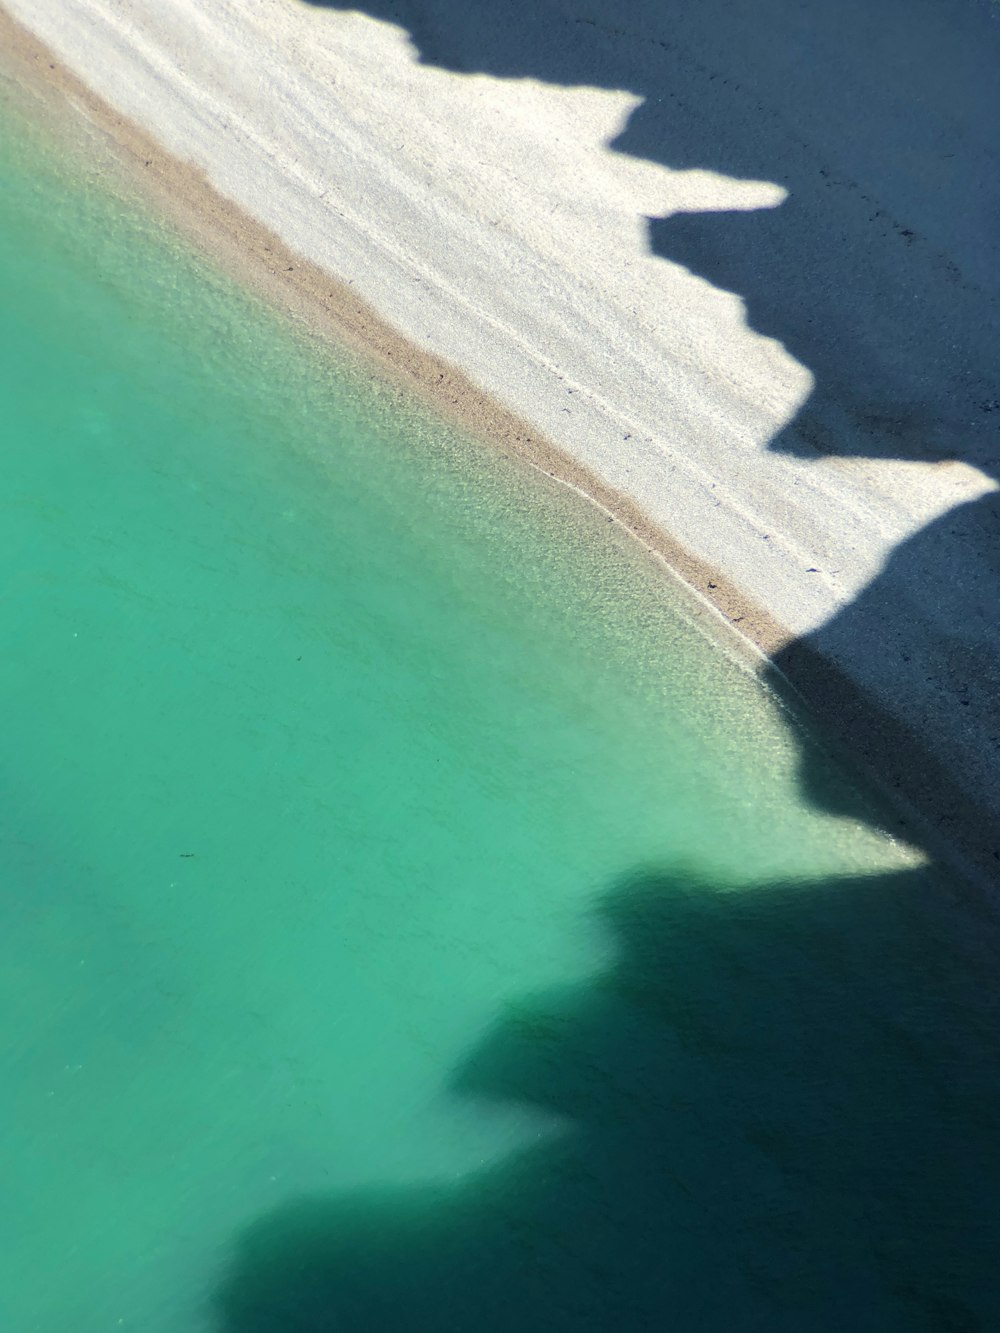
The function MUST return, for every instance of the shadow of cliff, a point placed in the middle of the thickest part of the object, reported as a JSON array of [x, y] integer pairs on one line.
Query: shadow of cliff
[[782, 1100], [784, 1110], [880, 274]]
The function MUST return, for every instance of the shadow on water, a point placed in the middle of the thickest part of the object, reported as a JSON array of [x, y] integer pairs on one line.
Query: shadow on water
[[782, 1100], [784, 1107]]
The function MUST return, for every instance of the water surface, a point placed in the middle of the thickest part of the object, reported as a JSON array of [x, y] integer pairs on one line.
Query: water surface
[[410, 916]]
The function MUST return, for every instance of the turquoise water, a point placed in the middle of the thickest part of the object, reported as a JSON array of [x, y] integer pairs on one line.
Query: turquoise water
[[411, 918]]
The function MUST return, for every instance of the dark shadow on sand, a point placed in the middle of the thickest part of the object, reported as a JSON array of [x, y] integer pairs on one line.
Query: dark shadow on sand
[[881, 271]]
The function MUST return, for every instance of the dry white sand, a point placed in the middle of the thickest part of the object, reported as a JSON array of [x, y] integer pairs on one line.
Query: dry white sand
[[487, 188]]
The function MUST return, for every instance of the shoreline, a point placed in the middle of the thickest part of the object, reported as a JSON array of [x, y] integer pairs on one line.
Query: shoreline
[[930, 805], [326, 309]]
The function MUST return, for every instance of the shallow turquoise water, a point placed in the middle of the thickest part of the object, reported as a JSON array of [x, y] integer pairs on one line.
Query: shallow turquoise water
[[410, 917]]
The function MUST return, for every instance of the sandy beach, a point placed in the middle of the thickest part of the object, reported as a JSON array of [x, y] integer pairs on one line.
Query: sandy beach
[[735, 278]]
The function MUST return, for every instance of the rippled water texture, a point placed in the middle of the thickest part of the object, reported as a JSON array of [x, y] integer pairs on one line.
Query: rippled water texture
[[410, 918]]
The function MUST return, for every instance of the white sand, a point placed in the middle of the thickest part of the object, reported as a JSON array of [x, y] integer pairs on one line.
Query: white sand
[[490, 221]]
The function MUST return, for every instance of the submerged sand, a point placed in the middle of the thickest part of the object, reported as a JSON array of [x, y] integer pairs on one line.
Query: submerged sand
[[736, 281]]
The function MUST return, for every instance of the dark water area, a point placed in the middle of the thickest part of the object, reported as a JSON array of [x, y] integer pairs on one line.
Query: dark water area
[[780, 1111]]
